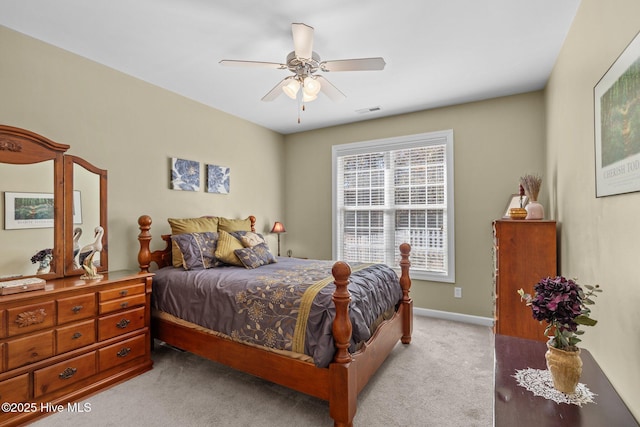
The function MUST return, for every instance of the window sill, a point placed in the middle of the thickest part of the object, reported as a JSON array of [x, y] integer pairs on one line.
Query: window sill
[[428, 276]]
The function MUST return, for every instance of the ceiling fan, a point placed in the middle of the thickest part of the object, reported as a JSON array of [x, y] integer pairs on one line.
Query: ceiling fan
[[304, 63]]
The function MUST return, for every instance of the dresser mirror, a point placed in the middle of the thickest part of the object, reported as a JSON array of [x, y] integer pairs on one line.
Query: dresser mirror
[[40, 187], [85, 214]]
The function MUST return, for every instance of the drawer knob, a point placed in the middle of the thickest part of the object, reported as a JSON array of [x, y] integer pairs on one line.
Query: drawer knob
[[124, 292], [76, 309], [76, 336], [124, 304], [123, 323], [124, 352], [67, 373]]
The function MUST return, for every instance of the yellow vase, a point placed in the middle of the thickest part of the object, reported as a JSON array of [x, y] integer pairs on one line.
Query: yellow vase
[[565, 368]]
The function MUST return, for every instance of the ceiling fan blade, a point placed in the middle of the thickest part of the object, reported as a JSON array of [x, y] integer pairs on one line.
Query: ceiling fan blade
[[276, 91], [361, 64], [330, 90], [256, 64], [302, 40]]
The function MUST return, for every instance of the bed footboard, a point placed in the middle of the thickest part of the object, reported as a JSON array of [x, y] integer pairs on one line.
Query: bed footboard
[[349, 373]]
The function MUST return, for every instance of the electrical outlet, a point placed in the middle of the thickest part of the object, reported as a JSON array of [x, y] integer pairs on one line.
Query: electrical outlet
[[457, 292]]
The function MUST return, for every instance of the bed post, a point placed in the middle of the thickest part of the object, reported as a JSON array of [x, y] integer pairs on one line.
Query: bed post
[[144, 255], [407, 302], [343, 392]]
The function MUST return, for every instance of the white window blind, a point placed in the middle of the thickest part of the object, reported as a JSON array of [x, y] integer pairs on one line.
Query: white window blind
[[396, 190]]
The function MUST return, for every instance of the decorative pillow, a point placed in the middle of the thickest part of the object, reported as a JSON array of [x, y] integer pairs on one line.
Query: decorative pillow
[[256, 256], [227, 244], [248, 238], [189, 225], [198, 249], [230, 225]]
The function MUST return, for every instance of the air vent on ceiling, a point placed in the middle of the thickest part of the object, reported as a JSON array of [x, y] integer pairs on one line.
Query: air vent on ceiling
[[369, 110]]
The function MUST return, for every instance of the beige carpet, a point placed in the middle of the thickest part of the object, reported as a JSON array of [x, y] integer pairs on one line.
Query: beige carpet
[[443, 378]]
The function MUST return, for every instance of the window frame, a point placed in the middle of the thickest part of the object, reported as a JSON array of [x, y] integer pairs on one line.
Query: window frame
[[398, 143]]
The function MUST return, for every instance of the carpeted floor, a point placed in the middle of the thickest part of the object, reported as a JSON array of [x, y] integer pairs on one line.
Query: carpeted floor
[[443, 378]]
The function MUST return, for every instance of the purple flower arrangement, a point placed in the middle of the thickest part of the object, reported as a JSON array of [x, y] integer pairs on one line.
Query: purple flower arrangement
[[41, 255], [563, 304]]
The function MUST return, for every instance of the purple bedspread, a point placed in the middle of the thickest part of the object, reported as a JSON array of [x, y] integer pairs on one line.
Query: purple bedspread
[[286, 305]]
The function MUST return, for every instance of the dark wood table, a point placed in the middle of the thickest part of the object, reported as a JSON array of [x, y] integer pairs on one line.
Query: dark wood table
[[516, 406]]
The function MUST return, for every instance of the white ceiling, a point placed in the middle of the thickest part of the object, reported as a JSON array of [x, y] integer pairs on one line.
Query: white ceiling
[[437, 52]]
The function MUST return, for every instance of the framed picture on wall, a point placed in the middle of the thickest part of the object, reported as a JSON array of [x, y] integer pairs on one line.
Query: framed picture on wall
[[77, 207], [34, 210], [218, 179], [617, 125], [185, 174], [27, 210]]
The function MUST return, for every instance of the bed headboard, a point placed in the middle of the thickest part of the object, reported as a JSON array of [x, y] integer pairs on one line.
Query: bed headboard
[[161, 257]]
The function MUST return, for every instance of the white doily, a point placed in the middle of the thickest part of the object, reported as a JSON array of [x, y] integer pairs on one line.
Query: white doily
[[539, 382]]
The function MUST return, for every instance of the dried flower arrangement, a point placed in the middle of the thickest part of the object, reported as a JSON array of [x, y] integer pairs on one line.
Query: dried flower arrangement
[[531, 185]]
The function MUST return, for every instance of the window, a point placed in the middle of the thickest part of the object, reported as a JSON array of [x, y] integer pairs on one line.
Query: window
[[390, 191]]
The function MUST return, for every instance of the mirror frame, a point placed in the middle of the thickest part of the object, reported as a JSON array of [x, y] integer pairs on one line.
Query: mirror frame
[[23, 147], [69, 162]]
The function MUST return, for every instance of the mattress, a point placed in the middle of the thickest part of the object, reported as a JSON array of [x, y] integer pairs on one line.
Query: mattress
[[283, 306]]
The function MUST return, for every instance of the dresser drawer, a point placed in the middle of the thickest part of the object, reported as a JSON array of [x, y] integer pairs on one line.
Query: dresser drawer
[[15, 389], [22, 351], [120, 323], [122, 352], [122, 303], [76, 308], [63, 374], [29, 318], [132, 287], [75, 336]]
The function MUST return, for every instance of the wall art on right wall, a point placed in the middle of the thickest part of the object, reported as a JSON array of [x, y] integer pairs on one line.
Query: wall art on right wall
[[617, 124]]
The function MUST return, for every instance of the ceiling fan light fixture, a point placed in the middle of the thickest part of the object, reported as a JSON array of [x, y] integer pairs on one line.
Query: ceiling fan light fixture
[[307, 97], [311, 86], [291, 88]]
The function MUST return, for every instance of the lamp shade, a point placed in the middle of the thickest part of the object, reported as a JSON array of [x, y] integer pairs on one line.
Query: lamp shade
[[278, 227], [311, 86], [308, 98], [291, 88]]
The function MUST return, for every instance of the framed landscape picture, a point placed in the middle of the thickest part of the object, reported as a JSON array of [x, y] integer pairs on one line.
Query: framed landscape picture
[[28, 210], [34, 210], [617, 125]]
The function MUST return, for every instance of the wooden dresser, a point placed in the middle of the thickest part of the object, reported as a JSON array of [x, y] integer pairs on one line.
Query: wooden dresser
[[70, 340], [524, 252]]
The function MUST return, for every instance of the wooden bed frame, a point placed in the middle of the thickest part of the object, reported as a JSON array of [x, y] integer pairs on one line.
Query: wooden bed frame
[[340, 383]]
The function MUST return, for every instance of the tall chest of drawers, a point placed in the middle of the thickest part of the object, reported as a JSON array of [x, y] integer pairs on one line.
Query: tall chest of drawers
[[70, 340], [525, 251]]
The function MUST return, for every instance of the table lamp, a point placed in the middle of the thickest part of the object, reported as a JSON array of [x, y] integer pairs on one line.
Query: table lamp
[[278, 228]]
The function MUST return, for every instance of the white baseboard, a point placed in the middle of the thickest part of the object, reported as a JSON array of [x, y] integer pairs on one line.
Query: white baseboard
[[458, 317]]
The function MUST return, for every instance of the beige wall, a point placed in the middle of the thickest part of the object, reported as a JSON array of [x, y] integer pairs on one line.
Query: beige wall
[[599, 236], [132, 129], [495, 142]]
